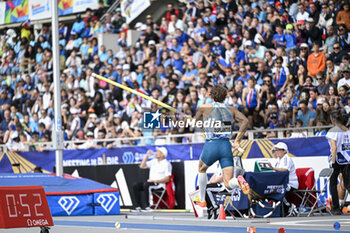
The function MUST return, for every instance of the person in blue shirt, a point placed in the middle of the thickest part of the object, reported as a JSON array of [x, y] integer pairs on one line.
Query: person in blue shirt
[[84, 49], [181, 37], [290, 38], [78, 26], [176, 46], [62, 41], [75, 71], [103, 54], [306, 115], [239, 54], [43, 42], [210, 31], [178, 62], [217, 48], [280, 74], [89, 29], [34, 123], [110, 57], [279, 38], [77, 41]]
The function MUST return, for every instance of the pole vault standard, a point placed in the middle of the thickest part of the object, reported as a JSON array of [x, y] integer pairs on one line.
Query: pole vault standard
[[146, 97], [57, 134]]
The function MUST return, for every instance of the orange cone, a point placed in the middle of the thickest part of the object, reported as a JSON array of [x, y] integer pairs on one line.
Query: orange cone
[[222, 215]]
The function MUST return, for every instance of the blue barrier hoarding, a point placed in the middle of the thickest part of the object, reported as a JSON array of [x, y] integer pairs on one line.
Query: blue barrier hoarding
[[257, 148]]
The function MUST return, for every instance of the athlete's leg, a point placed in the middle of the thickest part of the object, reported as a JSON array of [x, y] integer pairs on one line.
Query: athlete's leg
[[227, 173], [202, 179]]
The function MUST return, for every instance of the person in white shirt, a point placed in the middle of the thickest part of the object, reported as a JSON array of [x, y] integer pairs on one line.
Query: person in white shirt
[[45, 119], [346, 80], [176, 23], [302, 15], [339, 140], [285, 163], [160, 171]]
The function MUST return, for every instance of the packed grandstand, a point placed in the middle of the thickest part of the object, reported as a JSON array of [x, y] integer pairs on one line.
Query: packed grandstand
[[285, 64]]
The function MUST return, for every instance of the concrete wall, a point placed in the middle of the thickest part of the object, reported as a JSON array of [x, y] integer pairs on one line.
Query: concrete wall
[[110, 41]]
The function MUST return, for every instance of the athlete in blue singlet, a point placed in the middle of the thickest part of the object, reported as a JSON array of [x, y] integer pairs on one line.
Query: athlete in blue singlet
[[217, 140]]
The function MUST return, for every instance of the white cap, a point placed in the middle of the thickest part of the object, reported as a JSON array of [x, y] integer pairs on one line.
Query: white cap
[[320, 101], [117, 115], [280, 145], [151, 42], [143, 27], [138, 26], [163, 150], [216, 38], [304, 45], [119, 67], [126, 67], [93, 115], [90, 133]]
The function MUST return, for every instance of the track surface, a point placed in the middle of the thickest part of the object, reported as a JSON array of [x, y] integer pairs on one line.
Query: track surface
[[186, 222]]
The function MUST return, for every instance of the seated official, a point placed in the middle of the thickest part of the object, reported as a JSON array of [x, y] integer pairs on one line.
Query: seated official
[[159, 174], [285, 163]]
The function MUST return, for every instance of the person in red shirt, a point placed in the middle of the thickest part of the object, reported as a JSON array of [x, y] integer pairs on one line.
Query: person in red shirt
[[171, 10]]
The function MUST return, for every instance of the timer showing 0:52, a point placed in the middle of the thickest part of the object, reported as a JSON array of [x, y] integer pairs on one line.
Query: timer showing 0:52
[[21, 205], [24, 206]]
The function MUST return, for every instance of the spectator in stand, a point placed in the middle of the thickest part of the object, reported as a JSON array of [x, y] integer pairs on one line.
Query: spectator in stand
[[306, 115], [316, 61], [337, 54], [343, 37], [345, 81], [302, 15], [78, 26], [322, 87], [117, 21], [343, 16]]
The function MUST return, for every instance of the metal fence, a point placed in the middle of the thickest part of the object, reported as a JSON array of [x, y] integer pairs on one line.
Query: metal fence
[[177, 138]]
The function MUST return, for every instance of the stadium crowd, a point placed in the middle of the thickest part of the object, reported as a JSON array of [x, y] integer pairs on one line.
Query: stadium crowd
[[285, 64]]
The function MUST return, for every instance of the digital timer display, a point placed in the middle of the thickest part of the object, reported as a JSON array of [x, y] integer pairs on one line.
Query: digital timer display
[[24, 206]]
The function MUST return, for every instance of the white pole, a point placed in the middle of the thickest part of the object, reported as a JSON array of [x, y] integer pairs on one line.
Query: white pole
[[57, 134]]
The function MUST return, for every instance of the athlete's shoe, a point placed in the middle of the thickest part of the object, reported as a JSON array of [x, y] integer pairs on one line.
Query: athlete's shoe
[[136, 210], [242, 183], [201, 203]]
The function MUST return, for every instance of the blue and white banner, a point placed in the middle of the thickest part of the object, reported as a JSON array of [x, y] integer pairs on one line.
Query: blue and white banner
[[39, 9], [254, 149], [82, 5]]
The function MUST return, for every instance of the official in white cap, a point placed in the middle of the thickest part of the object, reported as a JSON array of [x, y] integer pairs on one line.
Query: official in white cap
[[160, 171], [285, 163]]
